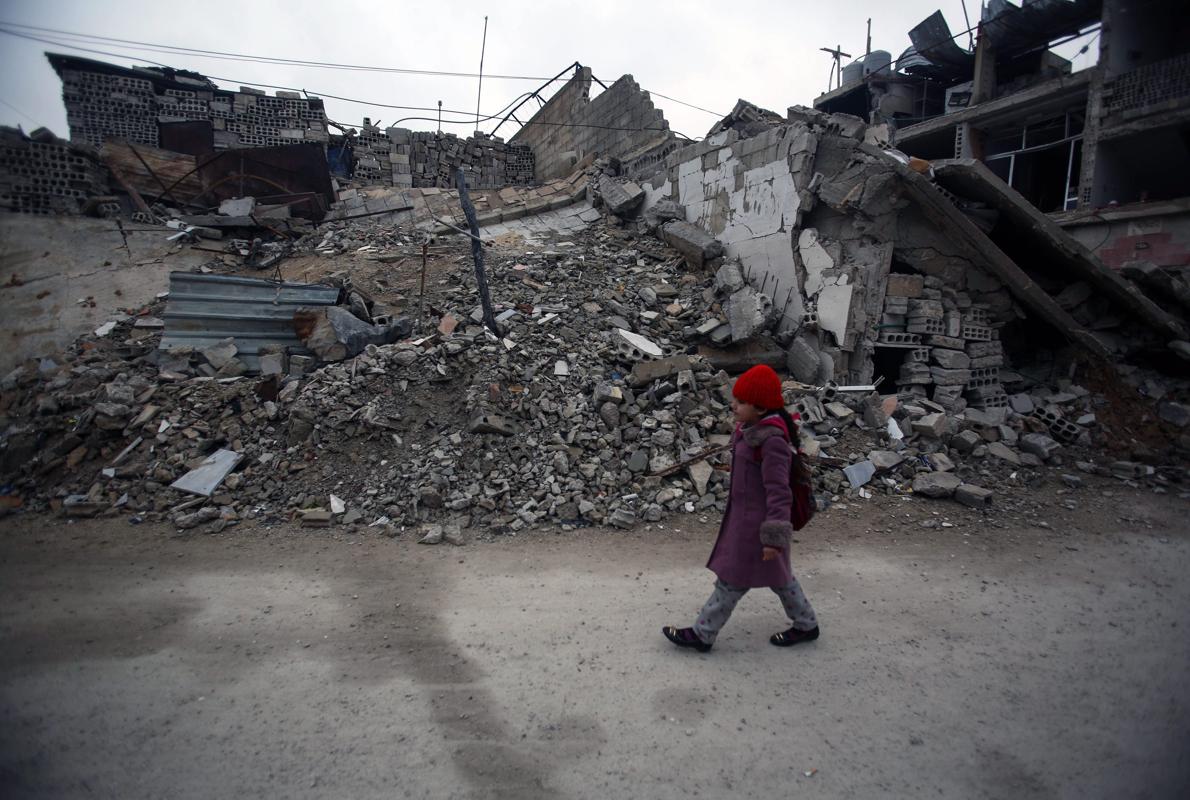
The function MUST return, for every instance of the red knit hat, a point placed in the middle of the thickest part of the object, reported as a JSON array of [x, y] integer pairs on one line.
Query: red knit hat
[[760, 387]]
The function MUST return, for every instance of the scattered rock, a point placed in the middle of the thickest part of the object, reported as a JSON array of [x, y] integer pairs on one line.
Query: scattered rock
[[936, 484]]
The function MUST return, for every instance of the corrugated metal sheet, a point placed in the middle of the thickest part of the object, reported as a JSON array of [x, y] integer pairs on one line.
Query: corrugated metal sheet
[[204, 309]]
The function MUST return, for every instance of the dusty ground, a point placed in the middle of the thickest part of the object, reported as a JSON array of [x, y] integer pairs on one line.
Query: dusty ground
[[971, 661]]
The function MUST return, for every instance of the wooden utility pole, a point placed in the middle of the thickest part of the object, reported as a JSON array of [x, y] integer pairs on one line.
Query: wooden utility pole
[[481, 277], [837, 67]]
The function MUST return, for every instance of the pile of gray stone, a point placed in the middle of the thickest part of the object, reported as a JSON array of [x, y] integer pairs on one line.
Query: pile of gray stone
[[591, 405]]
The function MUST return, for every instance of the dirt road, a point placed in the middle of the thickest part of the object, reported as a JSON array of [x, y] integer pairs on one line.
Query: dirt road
[[959, 662]]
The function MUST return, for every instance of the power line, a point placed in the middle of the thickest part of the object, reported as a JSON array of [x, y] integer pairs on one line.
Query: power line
[[235, 80], [285, 61], [228, 56], [368, 103], [683, 103], [22, 113]]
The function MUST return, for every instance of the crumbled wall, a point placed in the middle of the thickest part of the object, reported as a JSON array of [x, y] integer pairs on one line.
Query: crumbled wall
[[621, 122], [749, 194], [46, 177], [816, 223], [403, 158]]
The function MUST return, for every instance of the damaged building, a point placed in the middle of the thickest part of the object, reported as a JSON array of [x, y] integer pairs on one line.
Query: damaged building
[[1102, 149], [938, 323]]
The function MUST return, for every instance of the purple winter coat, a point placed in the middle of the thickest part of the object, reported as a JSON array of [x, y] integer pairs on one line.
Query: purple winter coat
[[758, 509]]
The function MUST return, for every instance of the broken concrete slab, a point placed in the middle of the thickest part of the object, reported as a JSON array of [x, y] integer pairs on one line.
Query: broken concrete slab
[[860, 473], [635, 347], [729, 278], [934, 425], [221, 353], [747, 312], [1003, 452], [238, 207], [950, 359], [1021, 220], [698, 246], [803, 360], [936, 484], [1162, 286], [976, 247], [885, 459], [973, 496], [700, 475], [204, 479], [1039, 445], [645, 372], [622, 199]]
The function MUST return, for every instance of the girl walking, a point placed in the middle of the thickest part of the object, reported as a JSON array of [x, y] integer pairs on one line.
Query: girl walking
[[752, 550]]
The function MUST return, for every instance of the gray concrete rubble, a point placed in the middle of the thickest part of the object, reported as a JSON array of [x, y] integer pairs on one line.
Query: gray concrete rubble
[[334, 333], [925, 361], [622, 198], [695, 244]]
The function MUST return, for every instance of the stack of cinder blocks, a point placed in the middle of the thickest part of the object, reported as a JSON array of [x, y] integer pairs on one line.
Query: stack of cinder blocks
[[405, 159], [100, 107], [960, 354], [48, 176], [373, 164]]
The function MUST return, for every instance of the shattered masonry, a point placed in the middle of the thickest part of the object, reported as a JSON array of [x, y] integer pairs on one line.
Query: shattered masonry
[[945, 339]]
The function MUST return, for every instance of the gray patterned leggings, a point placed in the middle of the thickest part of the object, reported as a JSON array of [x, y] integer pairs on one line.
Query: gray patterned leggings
[[718, 608]]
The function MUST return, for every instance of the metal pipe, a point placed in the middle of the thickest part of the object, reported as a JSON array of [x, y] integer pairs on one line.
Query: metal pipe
[[460, 230], [483, 48], [534, 95]]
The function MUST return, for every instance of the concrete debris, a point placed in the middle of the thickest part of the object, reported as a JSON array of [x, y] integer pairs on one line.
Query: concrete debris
[[860, 473], [206, 477], [622, 198], [333, 333], [962, 382], [699, 247], [936, 484], [973, 496]]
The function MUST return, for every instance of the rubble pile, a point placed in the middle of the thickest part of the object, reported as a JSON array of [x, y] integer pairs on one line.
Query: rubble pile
[[585, 409], [559, 418]]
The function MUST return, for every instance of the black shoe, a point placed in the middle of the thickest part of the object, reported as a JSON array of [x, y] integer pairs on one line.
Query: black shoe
[[685, 637], [793, 636]]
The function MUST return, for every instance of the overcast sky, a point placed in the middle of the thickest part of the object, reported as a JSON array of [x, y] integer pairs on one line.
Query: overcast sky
[[705, 53]]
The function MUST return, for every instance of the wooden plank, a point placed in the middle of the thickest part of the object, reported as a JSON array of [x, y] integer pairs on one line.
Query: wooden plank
[[153, 169]]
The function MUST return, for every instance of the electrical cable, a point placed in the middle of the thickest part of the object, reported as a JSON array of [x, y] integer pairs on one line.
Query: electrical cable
[[341, 98], [316, 94], [281, 60], [220, 54], [22, 113]]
